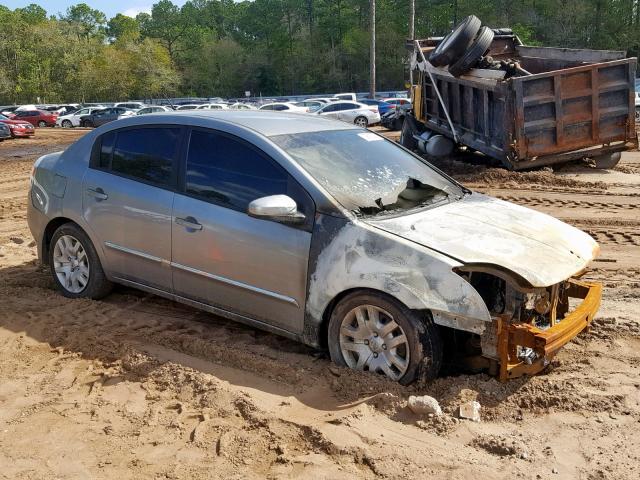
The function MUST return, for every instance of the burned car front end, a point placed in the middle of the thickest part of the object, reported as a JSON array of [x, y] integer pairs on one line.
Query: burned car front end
[[526, 266], [530, 325]]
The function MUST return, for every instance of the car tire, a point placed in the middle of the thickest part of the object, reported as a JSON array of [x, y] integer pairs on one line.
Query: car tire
[[42, 124], [383, 321], [409, 128], [68, 261], [637, 114], [361, 121], [86, 124], [66, 124], [607, 161], [456, 42], [474, 53]]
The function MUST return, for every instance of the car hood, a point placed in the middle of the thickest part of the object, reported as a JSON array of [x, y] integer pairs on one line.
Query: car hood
[[15, 122], [486, 231]]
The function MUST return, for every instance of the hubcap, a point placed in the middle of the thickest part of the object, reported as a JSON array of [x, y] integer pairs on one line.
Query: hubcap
[[71, 264], [361, 122], [371, 340]]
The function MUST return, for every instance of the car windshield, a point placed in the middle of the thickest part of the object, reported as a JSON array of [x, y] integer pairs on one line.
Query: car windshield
[[367, 173]]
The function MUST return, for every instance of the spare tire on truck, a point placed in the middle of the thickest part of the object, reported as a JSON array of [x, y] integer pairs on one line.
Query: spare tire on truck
[[474, 53], [455, 43]]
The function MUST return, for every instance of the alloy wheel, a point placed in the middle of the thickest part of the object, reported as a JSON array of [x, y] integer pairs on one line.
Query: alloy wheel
[[371, 340], [361, 122], [71, 264]]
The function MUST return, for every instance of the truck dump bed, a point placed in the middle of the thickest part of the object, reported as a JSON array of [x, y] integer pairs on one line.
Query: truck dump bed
[[574, 104]]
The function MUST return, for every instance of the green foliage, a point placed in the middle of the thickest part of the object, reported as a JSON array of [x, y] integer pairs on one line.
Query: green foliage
[[269, 47]]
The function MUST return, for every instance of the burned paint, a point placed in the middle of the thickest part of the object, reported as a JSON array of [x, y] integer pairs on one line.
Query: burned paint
[[360, 256]]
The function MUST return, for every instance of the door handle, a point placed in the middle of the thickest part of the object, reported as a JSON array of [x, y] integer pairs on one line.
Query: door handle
[[98, 193], [189, 223]]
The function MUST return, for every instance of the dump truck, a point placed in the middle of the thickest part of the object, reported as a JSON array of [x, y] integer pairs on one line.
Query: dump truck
[[524, 106]]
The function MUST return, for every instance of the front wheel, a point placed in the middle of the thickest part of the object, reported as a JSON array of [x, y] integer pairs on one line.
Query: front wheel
[[75, 265], [361, 122], [376, 333], [67, 124]]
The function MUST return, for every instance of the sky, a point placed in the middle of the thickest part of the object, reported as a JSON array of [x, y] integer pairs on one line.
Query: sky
[[109, 7]]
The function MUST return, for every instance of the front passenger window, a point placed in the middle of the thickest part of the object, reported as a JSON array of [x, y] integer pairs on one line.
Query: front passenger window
[[224, 170]]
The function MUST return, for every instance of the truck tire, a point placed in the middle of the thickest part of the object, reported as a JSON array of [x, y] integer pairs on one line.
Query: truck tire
[[608, 160], [409, 128], [474, 53], [456, 42]]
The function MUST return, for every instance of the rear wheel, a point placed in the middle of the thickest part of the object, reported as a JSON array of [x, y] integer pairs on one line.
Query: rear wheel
[[376, 333], [75, 265], [609, 160], [361, 122], [42, 124]]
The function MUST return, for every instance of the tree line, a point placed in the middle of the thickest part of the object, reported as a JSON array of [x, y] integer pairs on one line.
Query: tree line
[[269, 47]]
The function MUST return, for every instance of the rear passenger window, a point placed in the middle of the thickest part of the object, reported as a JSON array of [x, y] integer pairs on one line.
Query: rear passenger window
[[106, 150], [226, 171], [146, 154]]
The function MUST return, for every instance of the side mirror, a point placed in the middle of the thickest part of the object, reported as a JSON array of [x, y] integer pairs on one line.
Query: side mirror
[[278, 208]]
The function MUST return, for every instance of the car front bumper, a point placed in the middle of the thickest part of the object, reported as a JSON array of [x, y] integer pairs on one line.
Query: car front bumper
[[543, 345]]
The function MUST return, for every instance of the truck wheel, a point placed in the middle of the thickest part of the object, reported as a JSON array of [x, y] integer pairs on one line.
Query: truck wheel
[[480, 45], [455, 44], [409, 128], [608, 160], [376, 333]]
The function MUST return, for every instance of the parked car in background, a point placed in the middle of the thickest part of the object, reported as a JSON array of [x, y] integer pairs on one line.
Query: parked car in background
[[37, 118], [325, 99], [18, 128], [395, 102], [189, 106], [130, 105], [5, 131], [213, 106], [73, 119], [310, 105], [100, 117], [351, 112], [242, 106], [346, 96], [383, 107], [154, 109], [8, 111], [283, 107]]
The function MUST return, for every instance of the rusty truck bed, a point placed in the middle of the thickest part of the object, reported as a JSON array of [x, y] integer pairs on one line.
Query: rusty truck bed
[[575, 104]]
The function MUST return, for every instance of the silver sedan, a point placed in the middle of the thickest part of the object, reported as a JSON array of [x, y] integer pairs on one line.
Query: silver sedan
[[314, 229], [351, 112]]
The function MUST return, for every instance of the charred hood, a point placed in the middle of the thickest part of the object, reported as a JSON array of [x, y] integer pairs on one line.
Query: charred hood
[[483, 230]]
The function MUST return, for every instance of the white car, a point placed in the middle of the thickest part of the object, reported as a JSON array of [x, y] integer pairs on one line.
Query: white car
[[310, 105], [213, 106], [153, 109], [283, 107], [73, 119], [325, 99], [346, 96], [351, 112], [242, 106], [188, 107], [131, 105]]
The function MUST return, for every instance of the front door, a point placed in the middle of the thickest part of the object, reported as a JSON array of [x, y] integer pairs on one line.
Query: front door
[[127, 201], [223, 257]]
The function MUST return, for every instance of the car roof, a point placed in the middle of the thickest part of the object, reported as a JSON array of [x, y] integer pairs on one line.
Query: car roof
[[264, 122]]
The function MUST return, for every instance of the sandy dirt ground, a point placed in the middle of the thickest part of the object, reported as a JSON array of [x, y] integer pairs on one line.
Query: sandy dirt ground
[[135, 386]]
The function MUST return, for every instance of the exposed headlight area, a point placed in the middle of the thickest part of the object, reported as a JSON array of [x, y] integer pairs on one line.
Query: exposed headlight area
[[529, 325]]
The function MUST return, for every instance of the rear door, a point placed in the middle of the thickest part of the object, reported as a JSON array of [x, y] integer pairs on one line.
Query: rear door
[[346, 112], [222, 256], [331, 111], [128, 196]]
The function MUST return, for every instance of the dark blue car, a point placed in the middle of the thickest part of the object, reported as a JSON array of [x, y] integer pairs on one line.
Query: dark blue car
[[383, 107]]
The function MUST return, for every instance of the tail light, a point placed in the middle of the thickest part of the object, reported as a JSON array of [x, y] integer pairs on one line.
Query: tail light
[[374, 109]]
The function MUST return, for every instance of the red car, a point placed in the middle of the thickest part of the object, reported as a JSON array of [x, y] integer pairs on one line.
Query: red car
[[37, 118], [18, 128]]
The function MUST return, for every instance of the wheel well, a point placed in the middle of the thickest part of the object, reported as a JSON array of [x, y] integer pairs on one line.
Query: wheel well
[[49, 230], [323, 331]]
